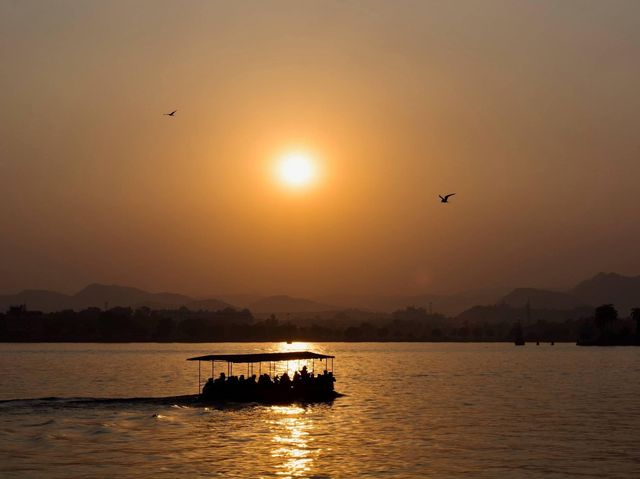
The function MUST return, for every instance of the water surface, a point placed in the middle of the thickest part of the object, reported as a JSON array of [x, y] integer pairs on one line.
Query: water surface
[[410, 410]]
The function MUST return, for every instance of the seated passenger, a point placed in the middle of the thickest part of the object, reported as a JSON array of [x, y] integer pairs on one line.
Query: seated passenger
[[208, 387], [221, 378], [285, 380], [304, 373]]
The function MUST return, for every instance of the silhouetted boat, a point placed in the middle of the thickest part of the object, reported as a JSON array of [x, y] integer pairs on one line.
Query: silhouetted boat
[[305, 386]]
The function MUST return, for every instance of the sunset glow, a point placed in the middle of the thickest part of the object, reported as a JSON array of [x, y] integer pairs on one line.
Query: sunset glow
[[296, 169], [336, 239]]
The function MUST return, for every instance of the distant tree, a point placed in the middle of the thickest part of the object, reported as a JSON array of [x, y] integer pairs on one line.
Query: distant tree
[[635, 315], [463, 331], [143, 312], [605, 316], [165, 328], [192, 327], [410, 313], [272, 322], [115, 324], [477, 332], [352, 333], [383, 332]]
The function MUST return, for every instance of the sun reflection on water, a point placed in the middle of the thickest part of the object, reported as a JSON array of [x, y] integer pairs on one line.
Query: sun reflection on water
[[291, 441], [290, 367], [294, 346]]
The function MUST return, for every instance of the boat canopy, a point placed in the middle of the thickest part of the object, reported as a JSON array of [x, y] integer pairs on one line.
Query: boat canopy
[[262, 357]]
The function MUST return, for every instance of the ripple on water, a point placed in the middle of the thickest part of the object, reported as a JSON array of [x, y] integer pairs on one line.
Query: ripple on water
[[412, 410]]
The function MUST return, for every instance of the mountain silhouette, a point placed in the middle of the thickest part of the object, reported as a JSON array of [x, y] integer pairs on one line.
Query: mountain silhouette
[[603, 288], [38, 299], [101, 295], [448, 304], [287, 304], [542, 298], [114, 295]]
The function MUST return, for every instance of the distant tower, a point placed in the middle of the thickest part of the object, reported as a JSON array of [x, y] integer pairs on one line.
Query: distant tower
[[106, 305], [528, 311]]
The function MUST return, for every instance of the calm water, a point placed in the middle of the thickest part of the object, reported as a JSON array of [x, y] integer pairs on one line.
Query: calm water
[[411, 410]]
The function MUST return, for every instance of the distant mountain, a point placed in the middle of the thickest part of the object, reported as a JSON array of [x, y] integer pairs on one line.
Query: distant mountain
[[101, 295], [209, 305], [240, 299], [506, 313], [542, 299], [114, 295], [37, 299], [288, 304], [451, 304], [622, 291]]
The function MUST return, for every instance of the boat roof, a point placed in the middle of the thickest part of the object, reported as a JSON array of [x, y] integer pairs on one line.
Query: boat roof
[[261, 357]]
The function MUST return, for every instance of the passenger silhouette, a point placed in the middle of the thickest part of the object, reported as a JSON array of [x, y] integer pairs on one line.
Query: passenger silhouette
[[208, 387]]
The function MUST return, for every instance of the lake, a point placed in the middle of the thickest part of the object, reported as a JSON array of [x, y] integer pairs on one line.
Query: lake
[[409, 410]]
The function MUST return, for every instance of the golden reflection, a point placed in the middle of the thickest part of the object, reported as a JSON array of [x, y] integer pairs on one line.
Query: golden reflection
[[292, 366], [294, 346], [291, 438]]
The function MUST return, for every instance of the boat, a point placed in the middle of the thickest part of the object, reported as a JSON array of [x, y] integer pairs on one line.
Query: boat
[[262, 384]]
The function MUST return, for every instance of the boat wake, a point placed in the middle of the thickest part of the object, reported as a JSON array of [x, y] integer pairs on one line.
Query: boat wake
[[59, 402], [182, 402]]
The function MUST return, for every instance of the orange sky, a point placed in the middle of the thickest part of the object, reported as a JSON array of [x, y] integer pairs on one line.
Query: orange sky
[[529, 111]]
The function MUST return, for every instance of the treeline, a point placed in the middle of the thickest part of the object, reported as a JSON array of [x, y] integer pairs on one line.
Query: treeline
[[606, 328], [120, 325], [602, 326]]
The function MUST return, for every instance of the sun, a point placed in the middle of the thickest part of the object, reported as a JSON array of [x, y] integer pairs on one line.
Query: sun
[[296, 169]]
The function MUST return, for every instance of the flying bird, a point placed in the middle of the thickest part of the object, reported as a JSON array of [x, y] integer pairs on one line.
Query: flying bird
[[173, 113], [445, 198]]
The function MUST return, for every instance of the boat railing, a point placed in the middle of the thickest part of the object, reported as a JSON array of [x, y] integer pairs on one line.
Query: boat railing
[[254, 362]]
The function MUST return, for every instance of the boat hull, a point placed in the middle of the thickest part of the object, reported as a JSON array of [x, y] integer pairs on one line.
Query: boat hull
[[269, 396]]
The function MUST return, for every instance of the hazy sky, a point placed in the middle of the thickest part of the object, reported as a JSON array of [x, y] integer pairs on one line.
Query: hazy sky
[[529, 111]]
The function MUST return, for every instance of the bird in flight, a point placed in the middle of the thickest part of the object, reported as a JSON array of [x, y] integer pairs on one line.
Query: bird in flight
[[445, 198], [173, 113]]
